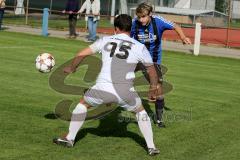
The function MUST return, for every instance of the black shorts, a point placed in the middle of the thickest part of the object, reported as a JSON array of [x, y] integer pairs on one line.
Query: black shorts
[[158, 68]]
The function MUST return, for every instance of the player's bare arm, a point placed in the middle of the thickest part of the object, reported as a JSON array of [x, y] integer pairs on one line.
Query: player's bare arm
[[181, 34], [77, 60], [152, 94]]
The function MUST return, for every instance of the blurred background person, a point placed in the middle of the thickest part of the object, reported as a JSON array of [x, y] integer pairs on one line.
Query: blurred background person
[[72, 7], [2, 7], [92, 8]]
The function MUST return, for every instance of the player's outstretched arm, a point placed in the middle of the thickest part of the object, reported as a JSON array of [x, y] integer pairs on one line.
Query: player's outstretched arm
[[77, 60], [152, 94], [181, 34]]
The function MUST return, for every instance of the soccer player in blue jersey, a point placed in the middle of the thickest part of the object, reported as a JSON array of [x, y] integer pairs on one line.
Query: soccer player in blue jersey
[[148, 29]]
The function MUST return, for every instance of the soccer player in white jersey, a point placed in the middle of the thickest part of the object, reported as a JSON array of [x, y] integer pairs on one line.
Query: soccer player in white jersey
[[120, 55]]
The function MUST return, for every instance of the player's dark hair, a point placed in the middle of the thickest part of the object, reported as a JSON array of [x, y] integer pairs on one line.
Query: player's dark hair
[[123, 22]]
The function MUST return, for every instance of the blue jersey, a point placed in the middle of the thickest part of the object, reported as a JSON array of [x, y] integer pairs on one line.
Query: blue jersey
[[151, 35]]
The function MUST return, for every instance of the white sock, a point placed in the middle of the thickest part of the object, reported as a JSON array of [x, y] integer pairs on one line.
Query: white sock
[[145, 126], [78, 117]]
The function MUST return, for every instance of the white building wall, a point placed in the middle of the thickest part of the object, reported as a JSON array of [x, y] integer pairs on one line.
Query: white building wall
[[203, 4], [236, 9], [183, 4]]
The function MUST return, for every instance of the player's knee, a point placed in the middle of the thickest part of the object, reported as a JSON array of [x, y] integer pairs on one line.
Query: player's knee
[[139, 109], [83, 102], [80, 108]]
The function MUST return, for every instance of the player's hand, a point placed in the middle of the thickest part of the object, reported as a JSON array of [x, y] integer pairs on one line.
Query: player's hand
[[152, 94], [68, 69], [63, 11], [186, 40]]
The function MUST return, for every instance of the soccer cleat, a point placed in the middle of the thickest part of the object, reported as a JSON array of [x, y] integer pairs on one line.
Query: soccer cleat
[[161, 125], [153, 151], [63, 142], [89, 40]]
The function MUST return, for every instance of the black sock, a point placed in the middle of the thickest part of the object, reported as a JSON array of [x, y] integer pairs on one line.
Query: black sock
[[159, 105]]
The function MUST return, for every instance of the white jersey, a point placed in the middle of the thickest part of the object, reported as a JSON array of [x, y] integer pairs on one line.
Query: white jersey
[[120, 55]]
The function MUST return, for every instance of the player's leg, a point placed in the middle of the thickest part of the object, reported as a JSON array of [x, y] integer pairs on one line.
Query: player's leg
[[78, 117], [159, 104], [133, 103], [95, 96], [145, 126]]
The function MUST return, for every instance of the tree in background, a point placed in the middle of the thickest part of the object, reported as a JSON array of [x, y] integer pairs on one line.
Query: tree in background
[[221, 6]]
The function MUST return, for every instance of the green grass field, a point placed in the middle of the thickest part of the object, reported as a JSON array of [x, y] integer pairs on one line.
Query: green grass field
[[203, 124], [235, 24]]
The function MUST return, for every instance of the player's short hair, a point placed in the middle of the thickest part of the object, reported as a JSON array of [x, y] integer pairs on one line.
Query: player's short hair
[[144, 9], [123, 22]]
